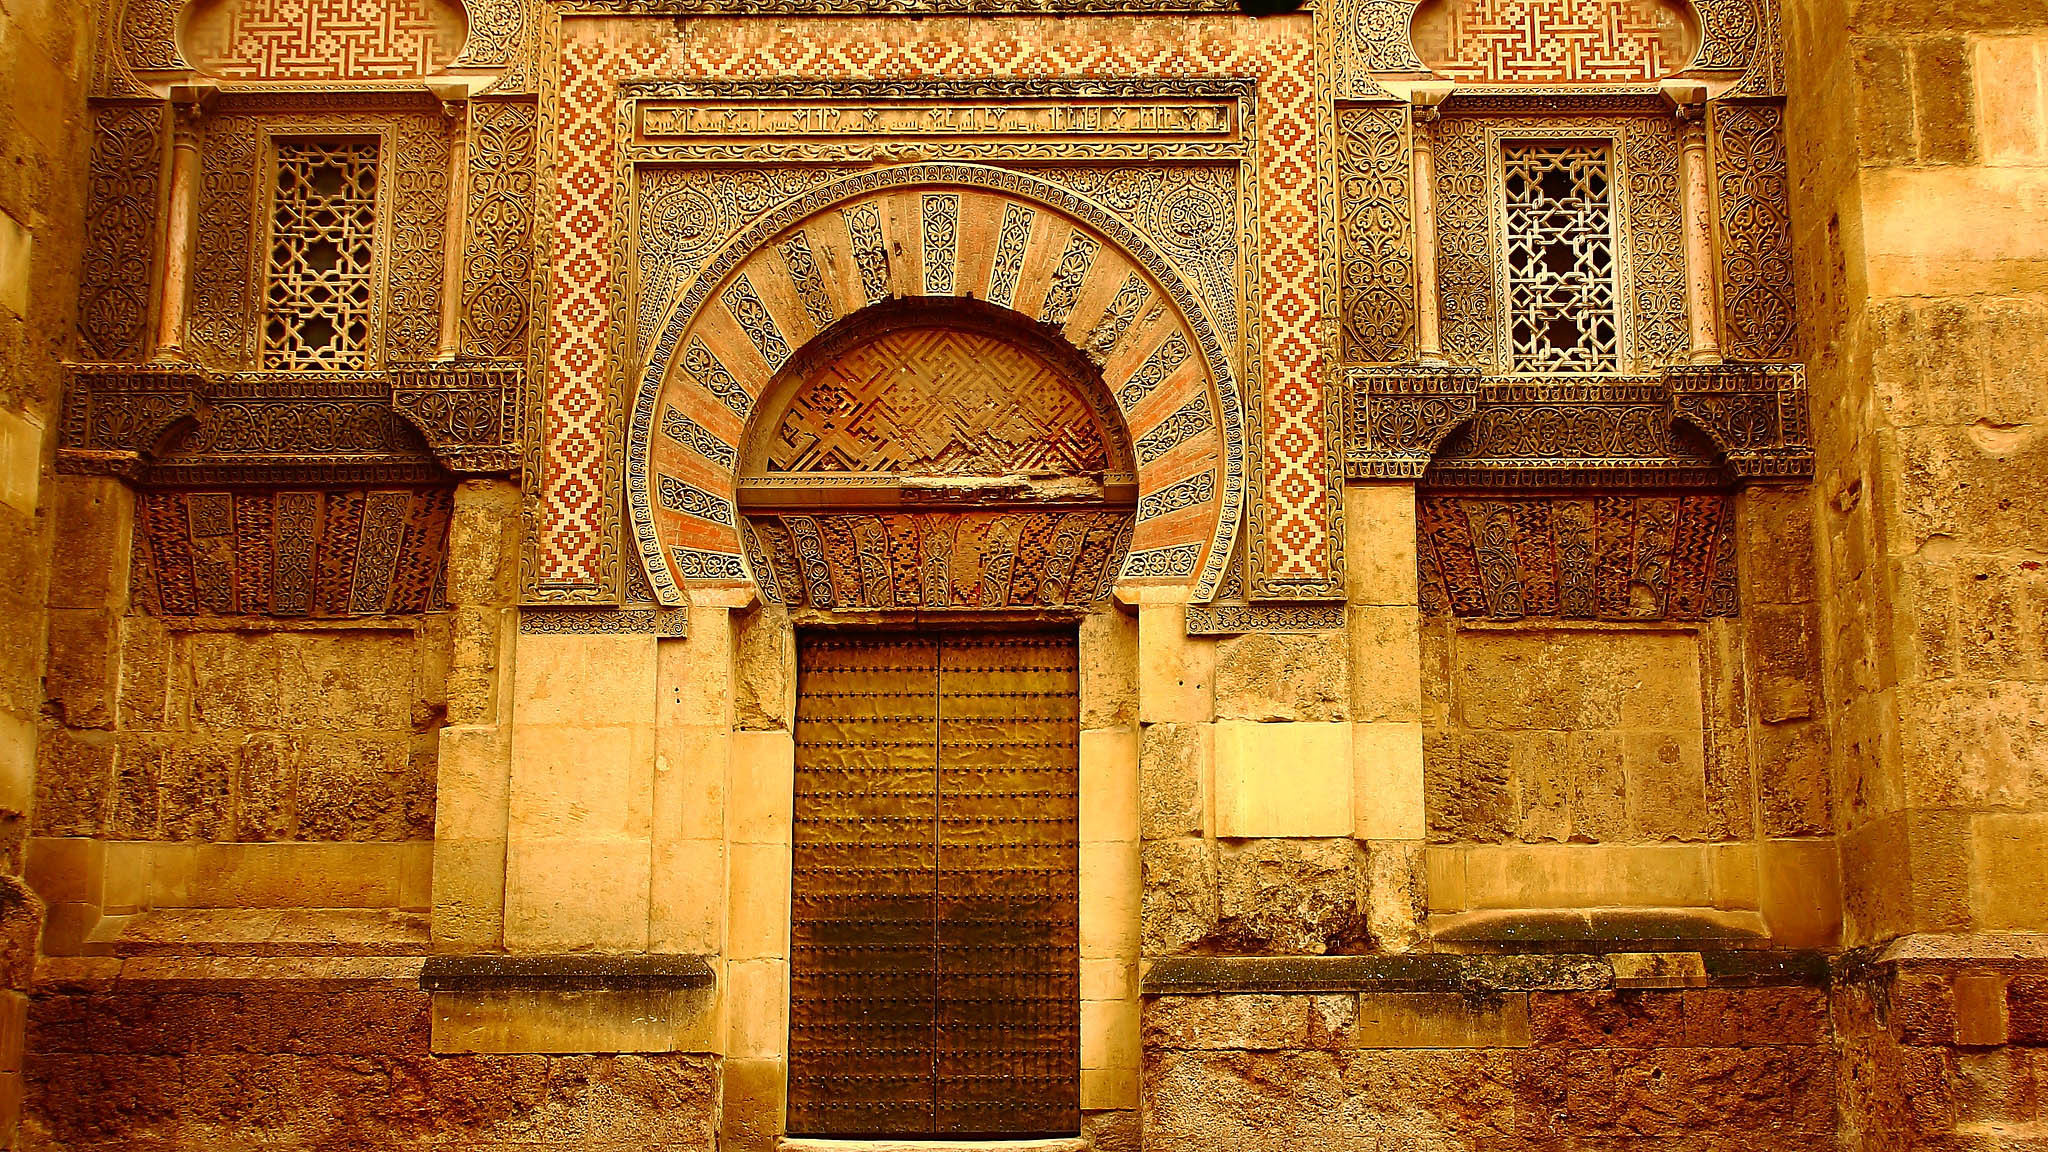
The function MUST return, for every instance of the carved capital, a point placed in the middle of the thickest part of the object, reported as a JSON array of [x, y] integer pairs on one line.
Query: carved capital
[[117, 415], [1755, 413], [1396, 417], [465, 409]]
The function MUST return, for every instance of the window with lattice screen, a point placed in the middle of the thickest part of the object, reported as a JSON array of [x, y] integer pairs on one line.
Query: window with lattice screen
[[1561, 267], [320, 288]]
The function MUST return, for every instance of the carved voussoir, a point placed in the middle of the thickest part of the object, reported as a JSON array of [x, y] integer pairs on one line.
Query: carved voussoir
[[1755, 413], [464, 409], [1396, 417], [117, 415]]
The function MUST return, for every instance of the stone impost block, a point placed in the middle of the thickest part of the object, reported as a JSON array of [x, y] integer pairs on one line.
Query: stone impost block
[[1387, 781], [1176, 674], [1109, 785], [1283, 780], [761, 791], [1379, 544]]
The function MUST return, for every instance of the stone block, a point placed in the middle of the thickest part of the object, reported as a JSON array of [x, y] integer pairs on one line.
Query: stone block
[[1233, 1022], [361, 788], [1386, 663], [1799, 892], [1777, 544], [1288, 897], [1379, 544], [195, 789], [483, 544], [21, 456], [74, 772], [473, 782], [1665, 775], [1178, 894], [1439, 1020], [84, 667], [1109, 1035], [1388, 796], [477, 655], [1111, 908], [686, 903], [759, 800], [1577, 679], [1942, 108], [751, 1119], [65, 870], [291, 876], [757, 1009], [764, 669], [1173, 762], [1658, 969], [1396, 894], [146, 664], [587, 680], [1589, 876], [1466, 793], [1109, 783], [566, 895], [1109, 979], [1285, 779], [757, 907], [1176, 673], [2008, 857], [1793, 782], [1109, 657], [581, 781], [593, 1020], [1267, 676], [692, 767], [468, 894], [1980, 1009], [695, 674]]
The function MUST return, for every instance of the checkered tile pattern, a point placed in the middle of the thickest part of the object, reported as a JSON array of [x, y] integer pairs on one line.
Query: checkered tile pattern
[[1278, 54]]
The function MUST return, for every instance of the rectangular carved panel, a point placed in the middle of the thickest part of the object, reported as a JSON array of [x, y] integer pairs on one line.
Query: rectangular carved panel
[[934, 941]]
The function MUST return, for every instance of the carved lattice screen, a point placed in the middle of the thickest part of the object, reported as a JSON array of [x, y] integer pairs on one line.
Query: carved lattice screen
[[321, 287], [1560, 258]]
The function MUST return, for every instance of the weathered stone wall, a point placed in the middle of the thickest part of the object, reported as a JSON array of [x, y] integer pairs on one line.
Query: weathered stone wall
[[47, 48], [1919, 163], [187, 1053], [1506, 1054]]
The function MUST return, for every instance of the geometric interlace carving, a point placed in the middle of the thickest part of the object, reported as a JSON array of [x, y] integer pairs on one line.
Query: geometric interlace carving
[[321, 288], [1560, 258], [939, 401]]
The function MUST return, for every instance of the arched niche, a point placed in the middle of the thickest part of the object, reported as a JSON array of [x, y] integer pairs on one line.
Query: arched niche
[[1062, 279], [1558, 41], [297, 40], [937, 453]]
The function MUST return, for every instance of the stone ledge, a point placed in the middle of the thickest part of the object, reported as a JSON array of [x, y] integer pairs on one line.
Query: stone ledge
[[1577, 928], [1445, 972], [564, 972]]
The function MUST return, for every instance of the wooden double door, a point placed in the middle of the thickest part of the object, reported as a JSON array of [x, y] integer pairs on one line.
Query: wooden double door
[[934, 984]]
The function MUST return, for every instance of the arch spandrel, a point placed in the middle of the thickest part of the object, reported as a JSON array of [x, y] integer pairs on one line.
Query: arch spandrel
[[1042, 255]]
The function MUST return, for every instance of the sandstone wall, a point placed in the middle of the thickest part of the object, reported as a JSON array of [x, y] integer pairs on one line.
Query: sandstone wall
[[47, 48], [1496, 1054], [1917, 137], [180, 1053]]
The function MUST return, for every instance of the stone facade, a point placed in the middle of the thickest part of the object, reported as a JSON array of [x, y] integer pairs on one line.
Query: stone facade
[[1539, 496]]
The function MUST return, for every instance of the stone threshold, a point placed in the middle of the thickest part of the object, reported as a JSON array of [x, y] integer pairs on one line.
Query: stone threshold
[[1035, 1144], [1040, 1144], [564, 972], [1458, 972]]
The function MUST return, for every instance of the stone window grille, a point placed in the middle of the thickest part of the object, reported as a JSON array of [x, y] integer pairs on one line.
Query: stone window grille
[[1561, 268], [320, 291]]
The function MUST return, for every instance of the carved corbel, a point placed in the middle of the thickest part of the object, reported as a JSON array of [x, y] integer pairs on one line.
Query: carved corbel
[[116, 415], [1396, 417], [465, 409], [1755, 413]]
